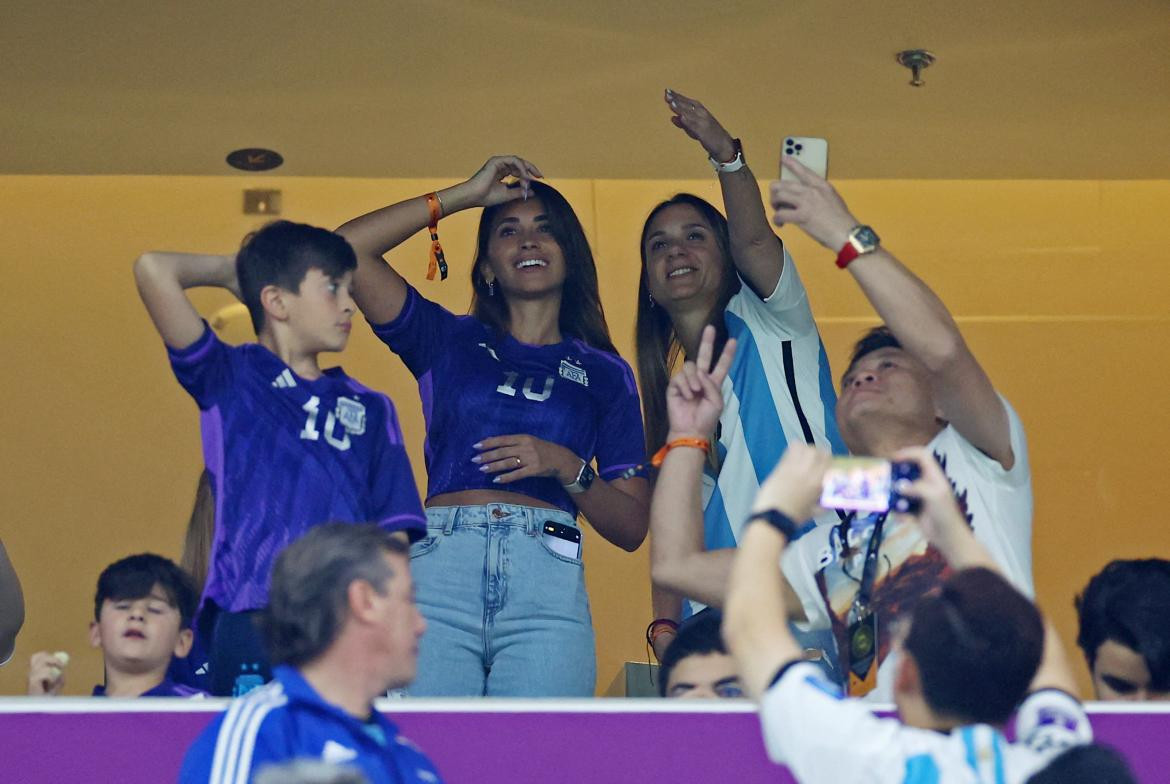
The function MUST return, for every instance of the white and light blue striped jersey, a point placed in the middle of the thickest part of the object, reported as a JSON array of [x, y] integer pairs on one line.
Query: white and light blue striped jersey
[[821, 736], [779, 390]]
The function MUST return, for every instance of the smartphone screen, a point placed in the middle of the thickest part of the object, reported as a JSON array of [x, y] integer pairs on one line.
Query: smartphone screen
[[812, 151], [860, 484], [562, 539]]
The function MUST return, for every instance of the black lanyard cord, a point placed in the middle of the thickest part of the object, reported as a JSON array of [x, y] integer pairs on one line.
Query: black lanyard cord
[[861, 602]]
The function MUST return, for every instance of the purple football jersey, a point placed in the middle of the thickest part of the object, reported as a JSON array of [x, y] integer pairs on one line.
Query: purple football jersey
[[476, 384], [167, 688], [287, 453]]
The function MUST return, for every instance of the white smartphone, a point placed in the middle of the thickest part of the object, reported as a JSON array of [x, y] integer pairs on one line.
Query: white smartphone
[[809, 150]]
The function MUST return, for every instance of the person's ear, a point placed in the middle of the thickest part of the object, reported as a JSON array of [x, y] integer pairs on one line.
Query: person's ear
[[908, 679], [95, 634], [362, 599], [183, 643], [274, 301], [487, 273]]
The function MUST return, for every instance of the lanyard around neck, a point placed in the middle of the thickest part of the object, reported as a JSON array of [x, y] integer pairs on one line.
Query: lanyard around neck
[[869, 571]]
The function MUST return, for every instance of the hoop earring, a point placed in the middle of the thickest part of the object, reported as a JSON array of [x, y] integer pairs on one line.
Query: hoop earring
[[491, 288]]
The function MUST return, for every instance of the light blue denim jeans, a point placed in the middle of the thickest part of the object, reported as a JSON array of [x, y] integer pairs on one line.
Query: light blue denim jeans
[[506, 616]]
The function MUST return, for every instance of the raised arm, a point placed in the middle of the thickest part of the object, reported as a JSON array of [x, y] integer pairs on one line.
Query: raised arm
[[163, 277], [755, 249], [678, 561], [759, 600], [11, 606], [916, 316], [378, 289], [945, 527]]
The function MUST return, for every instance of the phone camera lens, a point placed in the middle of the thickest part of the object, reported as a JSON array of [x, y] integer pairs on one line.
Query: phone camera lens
[[800, 146], [788, 142]]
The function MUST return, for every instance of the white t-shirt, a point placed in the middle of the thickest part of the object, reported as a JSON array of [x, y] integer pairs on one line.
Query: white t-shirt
[[998, 505], [822, 737], [779, 390]]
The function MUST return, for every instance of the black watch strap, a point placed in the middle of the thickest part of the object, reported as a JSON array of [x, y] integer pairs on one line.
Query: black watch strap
[[781, 522]]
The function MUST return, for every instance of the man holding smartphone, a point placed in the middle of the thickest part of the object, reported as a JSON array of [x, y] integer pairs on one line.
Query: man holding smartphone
[[975, 651], [912, 382]]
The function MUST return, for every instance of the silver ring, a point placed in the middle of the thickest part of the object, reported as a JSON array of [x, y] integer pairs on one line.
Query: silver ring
[[518, 463]]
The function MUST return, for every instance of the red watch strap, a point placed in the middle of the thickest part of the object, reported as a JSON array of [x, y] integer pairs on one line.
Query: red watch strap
[[846, 255]]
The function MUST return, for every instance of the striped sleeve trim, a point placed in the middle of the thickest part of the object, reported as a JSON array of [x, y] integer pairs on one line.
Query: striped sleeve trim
[[236, 742]]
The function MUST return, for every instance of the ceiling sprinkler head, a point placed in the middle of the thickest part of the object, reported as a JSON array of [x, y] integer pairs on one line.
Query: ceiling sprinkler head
[[916, 60]]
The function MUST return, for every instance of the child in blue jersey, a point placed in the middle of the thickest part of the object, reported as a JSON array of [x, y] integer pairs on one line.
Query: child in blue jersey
[[520, 397], [141, 621], [288, 445], [699, 268]]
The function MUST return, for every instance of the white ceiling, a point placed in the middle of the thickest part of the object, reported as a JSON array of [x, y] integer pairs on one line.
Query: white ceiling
[[1021, 89]]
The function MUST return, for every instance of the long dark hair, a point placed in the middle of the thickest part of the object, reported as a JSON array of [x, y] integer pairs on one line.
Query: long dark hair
[[657, 342], [196, 555], [581, 313]]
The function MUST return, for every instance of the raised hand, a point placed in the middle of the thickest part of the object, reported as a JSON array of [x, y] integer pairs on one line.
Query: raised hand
[[942, 523], [700, 125], [46, 673], [794, 485], [940, 517], [520, 456], [694, 397], [487, 187], [813, 204]]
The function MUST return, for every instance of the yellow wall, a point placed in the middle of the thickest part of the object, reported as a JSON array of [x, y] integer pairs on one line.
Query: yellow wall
[[1060, 287]]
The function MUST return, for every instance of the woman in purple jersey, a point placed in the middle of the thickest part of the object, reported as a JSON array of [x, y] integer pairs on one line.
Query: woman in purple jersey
[[520, 397]]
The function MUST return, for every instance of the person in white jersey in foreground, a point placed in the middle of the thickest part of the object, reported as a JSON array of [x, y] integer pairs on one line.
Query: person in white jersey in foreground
[[972, 652], [912, 382]]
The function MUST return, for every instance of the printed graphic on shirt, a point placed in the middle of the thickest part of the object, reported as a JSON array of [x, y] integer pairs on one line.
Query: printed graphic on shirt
[[574, 373], [908, 568]]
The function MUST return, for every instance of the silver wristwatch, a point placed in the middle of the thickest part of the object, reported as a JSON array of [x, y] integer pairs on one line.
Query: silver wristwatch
[[584, 480]]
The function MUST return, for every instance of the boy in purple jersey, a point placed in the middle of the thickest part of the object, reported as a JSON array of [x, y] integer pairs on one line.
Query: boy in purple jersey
[[520, 398], [288, 444], [142, 619]]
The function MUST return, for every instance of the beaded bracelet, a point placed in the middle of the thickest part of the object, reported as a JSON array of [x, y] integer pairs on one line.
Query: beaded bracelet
[[438, 262]]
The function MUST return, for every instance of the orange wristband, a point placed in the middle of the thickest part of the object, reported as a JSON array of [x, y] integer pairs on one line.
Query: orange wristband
[[438, 262], [696, 443]]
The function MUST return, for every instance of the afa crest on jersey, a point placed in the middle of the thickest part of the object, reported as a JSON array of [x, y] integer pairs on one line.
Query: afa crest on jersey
[[352, 415], [574, 373]]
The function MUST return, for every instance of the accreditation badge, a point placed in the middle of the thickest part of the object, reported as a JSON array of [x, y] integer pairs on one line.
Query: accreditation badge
[[863, 647]]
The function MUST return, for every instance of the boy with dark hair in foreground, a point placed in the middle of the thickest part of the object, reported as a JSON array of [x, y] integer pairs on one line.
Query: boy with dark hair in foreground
[[142, 618], [973, 651], [288, 444]]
